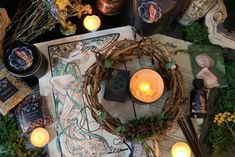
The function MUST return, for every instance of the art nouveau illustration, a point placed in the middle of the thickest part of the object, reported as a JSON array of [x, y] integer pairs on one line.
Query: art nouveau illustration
[[75, 137]]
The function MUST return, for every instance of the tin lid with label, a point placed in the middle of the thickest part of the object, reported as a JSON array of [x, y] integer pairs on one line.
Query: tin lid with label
[[22, 59]]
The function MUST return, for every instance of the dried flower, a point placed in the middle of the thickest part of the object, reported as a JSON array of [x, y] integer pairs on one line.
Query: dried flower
[[216, 117], [229, 119], [226, 117], [61, 4], [63, 9]]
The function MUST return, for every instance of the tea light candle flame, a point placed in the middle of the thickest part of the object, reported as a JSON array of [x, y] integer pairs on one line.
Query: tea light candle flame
[[39, 137], [181, 153], [146, 85], [180, 149], [92, 23]]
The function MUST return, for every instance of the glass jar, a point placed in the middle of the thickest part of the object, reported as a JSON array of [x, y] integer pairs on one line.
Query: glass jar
[[196, 10], [110, 7], [153, 16]]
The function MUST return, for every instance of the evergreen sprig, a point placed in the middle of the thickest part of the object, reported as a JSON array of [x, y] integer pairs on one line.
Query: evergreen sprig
[[142, 128], [12, 144]]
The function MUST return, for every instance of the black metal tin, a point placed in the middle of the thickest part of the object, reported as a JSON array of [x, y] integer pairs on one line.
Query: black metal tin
[[153, 16], [23, 59]]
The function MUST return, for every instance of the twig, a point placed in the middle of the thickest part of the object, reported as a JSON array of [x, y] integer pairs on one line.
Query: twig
[[190, 124], [30, 20], [126, 50], [188, 137]]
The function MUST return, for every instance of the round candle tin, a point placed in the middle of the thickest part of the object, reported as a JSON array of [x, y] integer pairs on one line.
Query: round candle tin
[[23, 59]]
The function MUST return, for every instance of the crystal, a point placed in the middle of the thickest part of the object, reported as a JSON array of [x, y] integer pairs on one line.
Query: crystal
[[204, 61], [210, 80]]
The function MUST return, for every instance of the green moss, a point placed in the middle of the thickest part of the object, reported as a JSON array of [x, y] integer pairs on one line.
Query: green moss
[[197, 33], [230, 67]]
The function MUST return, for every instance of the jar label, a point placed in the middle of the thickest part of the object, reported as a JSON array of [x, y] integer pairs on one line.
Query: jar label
[[31, 111], [196, 10], [20, 58], [150, 11], [7, 89]]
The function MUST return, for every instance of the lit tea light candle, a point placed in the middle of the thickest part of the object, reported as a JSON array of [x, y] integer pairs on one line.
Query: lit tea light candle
[[39, 137], [92, 23], [181, 149], [146, 85]]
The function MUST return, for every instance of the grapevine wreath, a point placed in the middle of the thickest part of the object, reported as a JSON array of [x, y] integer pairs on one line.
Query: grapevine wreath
[[147, 126]]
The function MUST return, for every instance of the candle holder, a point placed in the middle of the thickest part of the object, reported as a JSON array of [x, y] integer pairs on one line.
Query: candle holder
[[92, 23], [39, 137], [146, 86], [181, 149]]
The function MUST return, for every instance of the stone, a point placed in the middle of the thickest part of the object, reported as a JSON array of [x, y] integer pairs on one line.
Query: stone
[[210, 80], [204, 61]]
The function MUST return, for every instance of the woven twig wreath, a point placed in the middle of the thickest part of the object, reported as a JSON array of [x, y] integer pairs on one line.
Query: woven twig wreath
[[145, 127]]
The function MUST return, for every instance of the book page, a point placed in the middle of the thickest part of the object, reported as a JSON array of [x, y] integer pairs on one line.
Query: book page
[[184, 62]]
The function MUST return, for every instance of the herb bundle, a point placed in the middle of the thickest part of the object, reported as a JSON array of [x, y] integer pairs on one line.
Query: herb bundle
[[143, 128]]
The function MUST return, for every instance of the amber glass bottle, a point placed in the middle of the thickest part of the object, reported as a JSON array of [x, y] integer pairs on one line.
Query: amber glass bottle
[[198, 99]]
